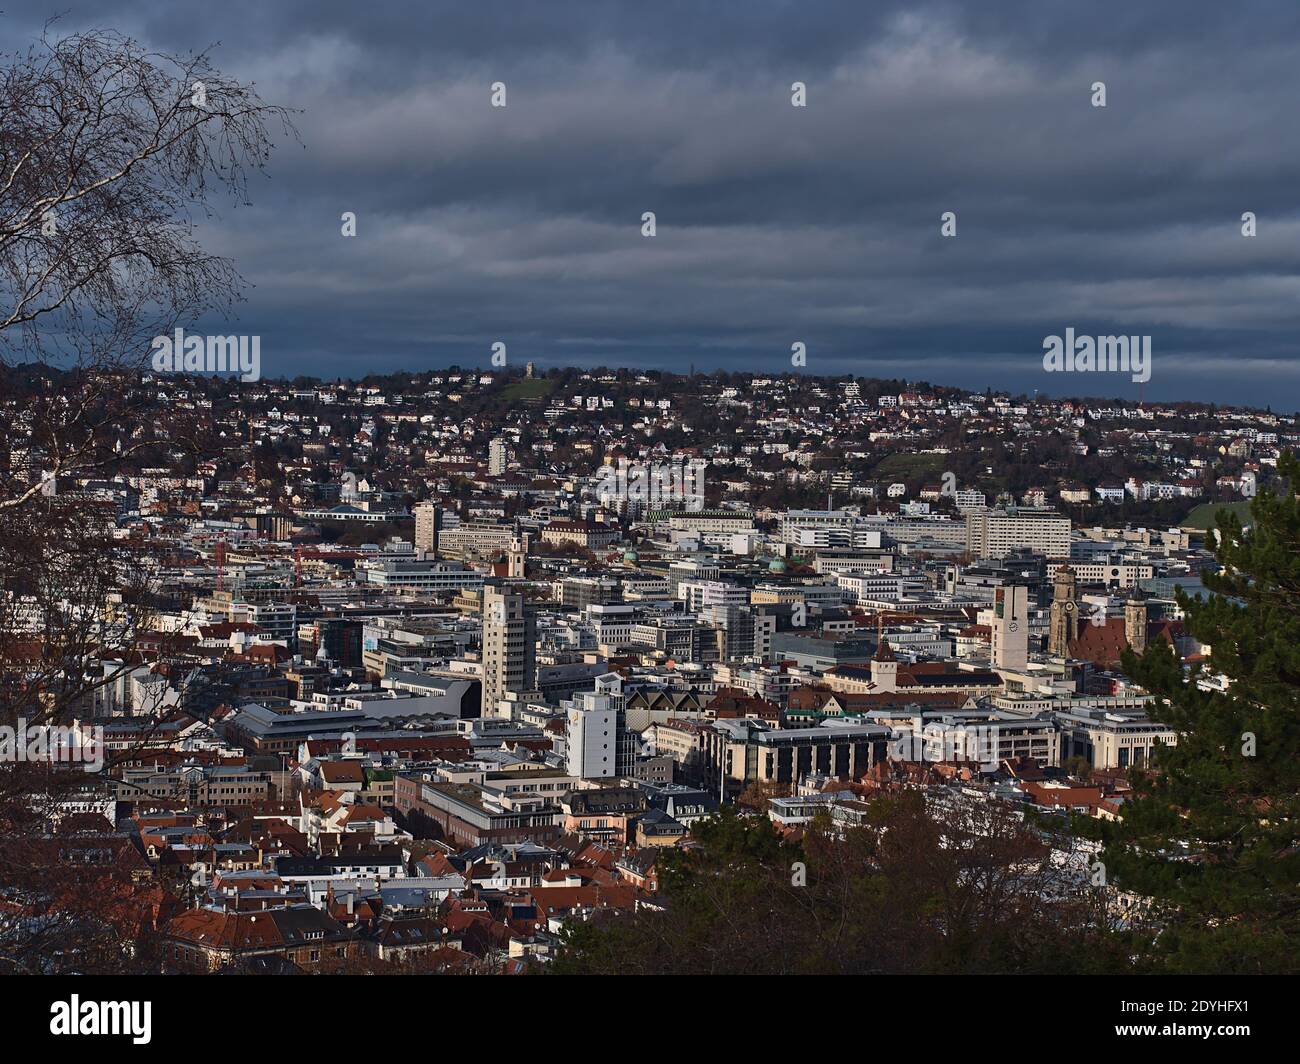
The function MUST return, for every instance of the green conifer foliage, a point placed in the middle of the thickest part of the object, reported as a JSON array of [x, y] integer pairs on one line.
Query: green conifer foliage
[[1211, 838]]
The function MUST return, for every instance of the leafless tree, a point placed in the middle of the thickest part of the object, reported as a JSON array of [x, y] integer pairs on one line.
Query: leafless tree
[[109, 154]]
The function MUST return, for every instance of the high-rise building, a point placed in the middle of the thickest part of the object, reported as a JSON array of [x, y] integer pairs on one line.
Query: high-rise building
[[498, 456], [1011, 627], [509, 645], [339, 641], [598, 743], [735, 629], [428, 526], [591, 737]]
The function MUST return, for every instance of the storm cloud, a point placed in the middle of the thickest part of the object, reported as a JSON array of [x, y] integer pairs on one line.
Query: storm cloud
[[775, 224]]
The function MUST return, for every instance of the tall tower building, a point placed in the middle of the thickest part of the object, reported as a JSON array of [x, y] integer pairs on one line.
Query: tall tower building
[[1063, 626], [498, 456], [1135, 624], [509, 645], [428, 525], [1011, 627], [884, 667], [517, 556], [598, 742]]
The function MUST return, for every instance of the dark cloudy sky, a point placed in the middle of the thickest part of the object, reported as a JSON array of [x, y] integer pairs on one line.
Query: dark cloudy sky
[[775, 224]]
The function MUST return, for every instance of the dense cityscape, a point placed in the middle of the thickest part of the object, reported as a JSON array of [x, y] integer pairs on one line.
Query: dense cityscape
[[431, 667], [545, 492]]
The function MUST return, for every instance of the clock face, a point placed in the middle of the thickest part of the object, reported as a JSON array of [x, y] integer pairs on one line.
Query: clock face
[[1069, 607], [1014, 626]]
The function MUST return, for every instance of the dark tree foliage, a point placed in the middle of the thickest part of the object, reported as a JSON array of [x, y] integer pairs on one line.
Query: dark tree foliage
[[1212, 837], [904, 892]]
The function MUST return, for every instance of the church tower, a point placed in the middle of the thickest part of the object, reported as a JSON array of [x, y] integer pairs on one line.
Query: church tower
[[884, 668], [517, 556], [1063, 627], [1135, 623]]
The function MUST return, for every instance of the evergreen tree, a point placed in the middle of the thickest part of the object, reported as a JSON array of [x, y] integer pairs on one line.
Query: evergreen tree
[[1211, 837]]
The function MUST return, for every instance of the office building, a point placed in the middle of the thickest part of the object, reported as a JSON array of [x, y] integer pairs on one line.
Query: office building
[[996, 533], [428, 524], [509, 640]]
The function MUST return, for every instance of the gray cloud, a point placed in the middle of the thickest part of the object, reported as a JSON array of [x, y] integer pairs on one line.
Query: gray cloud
[[776, 224]]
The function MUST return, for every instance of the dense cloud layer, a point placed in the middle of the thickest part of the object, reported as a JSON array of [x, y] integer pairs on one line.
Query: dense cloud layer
[[775, 224]]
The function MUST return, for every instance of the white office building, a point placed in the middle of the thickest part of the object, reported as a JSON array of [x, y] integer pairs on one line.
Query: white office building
[[997, 533]]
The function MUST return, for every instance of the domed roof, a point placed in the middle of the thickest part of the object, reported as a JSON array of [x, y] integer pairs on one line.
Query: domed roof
[[776, 565]]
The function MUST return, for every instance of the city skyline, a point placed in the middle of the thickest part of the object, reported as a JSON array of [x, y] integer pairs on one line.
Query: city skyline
[[572, 489]]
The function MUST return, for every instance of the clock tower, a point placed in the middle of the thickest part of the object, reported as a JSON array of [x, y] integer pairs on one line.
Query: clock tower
[[1011, 627]]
